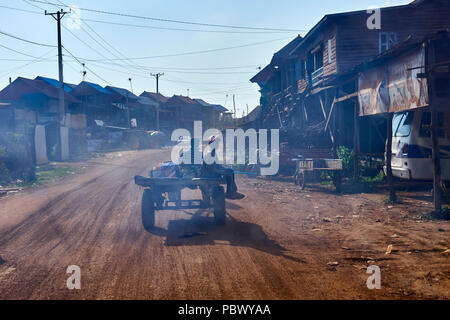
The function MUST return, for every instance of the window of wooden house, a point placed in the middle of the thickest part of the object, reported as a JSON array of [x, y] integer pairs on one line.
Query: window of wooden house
[[317, 54], [291, 75], [330, 51], [387, 40], [300, 71]]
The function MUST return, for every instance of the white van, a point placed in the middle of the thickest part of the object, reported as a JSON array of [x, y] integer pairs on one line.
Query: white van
[[411, 145]]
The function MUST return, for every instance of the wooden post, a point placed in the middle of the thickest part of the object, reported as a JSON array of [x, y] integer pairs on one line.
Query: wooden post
[[390, 178], [157, 118], [356, 141], [437, 192], [334, 130]]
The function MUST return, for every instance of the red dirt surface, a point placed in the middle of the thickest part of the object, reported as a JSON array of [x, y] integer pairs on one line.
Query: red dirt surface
[[279, 242]]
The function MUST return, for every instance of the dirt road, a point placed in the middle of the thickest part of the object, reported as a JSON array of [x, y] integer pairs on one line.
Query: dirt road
[[279, 242]]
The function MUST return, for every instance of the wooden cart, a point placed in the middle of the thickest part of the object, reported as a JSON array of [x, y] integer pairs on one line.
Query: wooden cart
[[165, 194], [305, 168]]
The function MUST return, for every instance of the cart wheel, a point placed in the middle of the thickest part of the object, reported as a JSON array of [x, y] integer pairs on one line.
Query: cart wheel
[[148, 209], [337, 181], [218, 197], [300, 179]]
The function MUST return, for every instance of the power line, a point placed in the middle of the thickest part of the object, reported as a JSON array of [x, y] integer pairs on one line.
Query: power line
[[146, 76], [24, 60], [90, 47], [180, 70], [25, 40], [180, 29], [175, 21], [207, 68], [141, 58], [22, 10], [19, 52], [128, 60], [99, 36], [154, 27], [207, 83], [172, 71], [33, 5], [129, 64], [200, 52], [234, 86], [38, 59], [73, 34], [95, 74]]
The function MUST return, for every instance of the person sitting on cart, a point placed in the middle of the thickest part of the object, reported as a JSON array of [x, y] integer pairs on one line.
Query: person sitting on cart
[[227, 173]]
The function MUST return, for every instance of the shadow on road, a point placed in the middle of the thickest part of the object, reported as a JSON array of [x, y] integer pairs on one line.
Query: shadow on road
[[201, 230]]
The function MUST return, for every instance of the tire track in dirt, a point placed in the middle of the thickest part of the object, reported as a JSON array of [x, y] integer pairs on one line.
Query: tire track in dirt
[[276, 244]]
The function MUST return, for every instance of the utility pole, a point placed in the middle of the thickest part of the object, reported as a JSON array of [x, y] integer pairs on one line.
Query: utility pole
[[61, 108], [234, 107], [436, 158], [157, 76], [390, 177], [128, 106]]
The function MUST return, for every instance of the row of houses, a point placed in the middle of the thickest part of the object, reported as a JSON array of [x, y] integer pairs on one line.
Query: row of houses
[[315, 88], [95, 117], [370, 80]]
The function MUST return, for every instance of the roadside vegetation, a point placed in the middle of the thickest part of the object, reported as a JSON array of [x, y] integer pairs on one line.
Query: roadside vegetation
[[370, 177], [50, 173], [431, 215], [17, 167], [16, 161]]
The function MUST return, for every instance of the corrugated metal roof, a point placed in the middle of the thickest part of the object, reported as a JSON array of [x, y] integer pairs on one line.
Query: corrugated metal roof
[[147, 101], [216, 107], [123, 92], [95, 86], [158, 97], [67, 86], [33, 86], [181, 100]]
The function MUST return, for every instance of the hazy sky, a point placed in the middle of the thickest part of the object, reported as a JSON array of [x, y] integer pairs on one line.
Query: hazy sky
[[210, 76]]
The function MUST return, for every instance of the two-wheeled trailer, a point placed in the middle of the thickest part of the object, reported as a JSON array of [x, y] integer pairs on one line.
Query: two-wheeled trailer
[[165, 194], [305, 169]]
